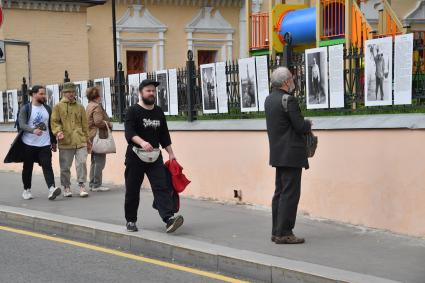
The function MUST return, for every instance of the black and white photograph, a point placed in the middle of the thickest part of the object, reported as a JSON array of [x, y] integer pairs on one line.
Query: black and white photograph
[[1, 108], [107, 95], [209, 88], [52, 93], [248, 85], [80, 92], [12, 105], [378, 71], [162, 98], [220, 75], [99, 84], [172, 86], [4, 108], [317, 77], [133, 90]]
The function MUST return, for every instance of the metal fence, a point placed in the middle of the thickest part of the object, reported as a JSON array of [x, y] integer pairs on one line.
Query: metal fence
[[190, 94]]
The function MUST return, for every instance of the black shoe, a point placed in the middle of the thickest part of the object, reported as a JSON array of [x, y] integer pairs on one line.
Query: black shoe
[[131, 227], [174, 223]]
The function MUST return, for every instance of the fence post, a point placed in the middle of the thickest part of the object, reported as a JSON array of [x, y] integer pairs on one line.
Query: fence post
[[24, 91], [120, 90], [190, 85], [66, 79], [288, 50]]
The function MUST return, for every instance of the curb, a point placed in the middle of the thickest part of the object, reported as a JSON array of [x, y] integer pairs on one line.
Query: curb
[[215, 258]]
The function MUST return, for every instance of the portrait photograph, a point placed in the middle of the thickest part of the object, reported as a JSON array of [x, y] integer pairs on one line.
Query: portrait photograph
[[209, 88], [317, 78]]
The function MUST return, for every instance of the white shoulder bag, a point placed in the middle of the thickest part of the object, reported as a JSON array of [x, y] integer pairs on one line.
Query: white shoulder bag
[[104, 145]]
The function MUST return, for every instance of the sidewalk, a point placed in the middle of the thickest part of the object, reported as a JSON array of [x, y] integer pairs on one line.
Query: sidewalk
[[328, 244]]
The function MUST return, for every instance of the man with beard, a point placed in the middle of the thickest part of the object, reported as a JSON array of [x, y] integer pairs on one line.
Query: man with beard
[[145, 130], [38, 141]]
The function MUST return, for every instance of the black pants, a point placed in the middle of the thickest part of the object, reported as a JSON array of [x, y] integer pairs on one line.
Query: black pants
[[42, 155], [285, 200], [135, 170]]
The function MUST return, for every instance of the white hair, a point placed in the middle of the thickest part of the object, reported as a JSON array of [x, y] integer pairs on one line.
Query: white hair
[[279, 76]]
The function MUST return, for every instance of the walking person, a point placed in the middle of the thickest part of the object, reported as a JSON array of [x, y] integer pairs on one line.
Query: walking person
[[285, 128], [145, 130], [98, 120], [69, 125], [38, 142]]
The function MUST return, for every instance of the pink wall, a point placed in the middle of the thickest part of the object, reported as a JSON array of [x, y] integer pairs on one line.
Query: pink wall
[[366, 177]]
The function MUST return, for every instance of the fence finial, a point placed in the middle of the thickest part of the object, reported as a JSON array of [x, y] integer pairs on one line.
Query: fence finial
[[66, 79], [189, 55]]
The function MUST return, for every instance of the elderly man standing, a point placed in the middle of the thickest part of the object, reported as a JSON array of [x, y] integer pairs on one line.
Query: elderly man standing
[[69, 125], [285, 128]]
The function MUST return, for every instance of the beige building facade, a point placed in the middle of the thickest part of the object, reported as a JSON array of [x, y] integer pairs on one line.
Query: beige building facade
[[45, 38]]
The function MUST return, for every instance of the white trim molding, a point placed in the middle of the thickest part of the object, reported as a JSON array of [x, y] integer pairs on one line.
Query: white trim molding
[[139, 20], [208, 22], [417, 15], [55, 6]]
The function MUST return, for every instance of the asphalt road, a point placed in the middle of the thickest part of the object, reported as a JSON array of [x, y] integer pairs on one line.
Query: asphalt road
[[31, 260]]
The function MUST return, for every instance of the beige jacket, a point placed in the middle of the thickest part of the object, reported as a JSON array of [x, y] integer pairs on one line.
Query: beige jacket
[[96, 117]]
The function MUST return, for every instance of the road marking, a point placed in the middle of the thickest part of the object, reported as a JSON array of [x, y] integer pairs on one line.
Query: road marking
[[125, 255]]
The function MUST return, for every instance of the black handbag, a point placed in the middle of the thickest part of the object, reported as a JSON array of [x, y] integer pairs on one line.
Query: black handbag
[[310, 144]]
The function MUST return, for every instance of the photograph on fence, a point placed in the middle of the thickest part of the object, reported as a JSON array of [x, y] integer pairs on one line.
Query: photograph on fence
[[262, 80], [403, 64], [162, 97], [133, 90], [378, 71], [12, 105], [80, 91], [4, 101], [208, 87], [2, 118], [336, 76], [143, 76], [248, 85], [104, 86], [316, 65], [174, 104], [107, 95], [220, 71], [52, 95]]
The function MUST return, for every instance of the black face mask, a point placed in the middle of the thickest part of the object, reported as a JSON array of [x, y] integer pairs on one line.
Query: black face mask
[[148, 101]]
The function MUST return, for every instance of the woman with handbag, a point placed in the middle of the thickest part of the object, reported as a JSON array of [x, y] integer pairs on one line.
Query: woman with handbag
[[100, 136]]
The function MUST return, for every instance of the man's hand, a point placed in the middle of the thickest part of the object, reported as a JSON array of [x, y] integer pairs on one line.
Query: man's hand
[[37, 132], [54, 147], [60, 136], [171, 156], [146, 146]]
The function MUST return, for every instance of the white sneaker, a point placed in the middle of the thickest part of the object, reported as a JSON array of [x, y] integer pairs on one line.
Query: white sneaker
[[26, 194], [83, 192], [99, 189], [54, 192], [67, 192]]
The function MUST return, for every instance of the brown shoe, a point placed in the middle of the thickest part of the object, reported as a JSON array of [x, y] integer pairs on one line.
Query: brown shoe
[[273, 238], [291, 239]]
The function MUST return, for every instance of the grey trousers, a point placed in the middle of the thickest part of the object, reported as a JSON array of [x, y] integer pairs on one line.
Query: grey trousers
[[98, 161], [66, 157]]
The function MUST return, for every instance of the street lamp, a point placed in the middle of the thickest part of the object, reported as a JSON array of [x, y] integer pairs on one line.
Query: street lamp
[[118, 77]]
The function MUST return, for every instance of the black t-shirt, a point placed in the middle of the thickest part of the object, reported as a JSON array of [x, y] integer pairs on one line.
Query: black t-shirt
[[150, 125]]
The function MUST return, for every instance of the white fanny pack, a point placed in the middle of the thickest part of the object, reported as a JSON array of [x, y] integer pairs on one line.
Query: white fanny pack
[[147, 156]]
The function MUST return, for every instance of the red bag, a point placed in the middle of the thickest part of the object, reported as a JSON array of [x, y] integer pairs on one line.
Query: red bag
[[179, 180]]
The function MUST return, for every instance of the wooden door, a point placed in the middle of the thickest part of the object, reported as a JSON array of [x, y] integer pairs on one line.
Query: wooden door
[[206, 56], [136, 62]]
